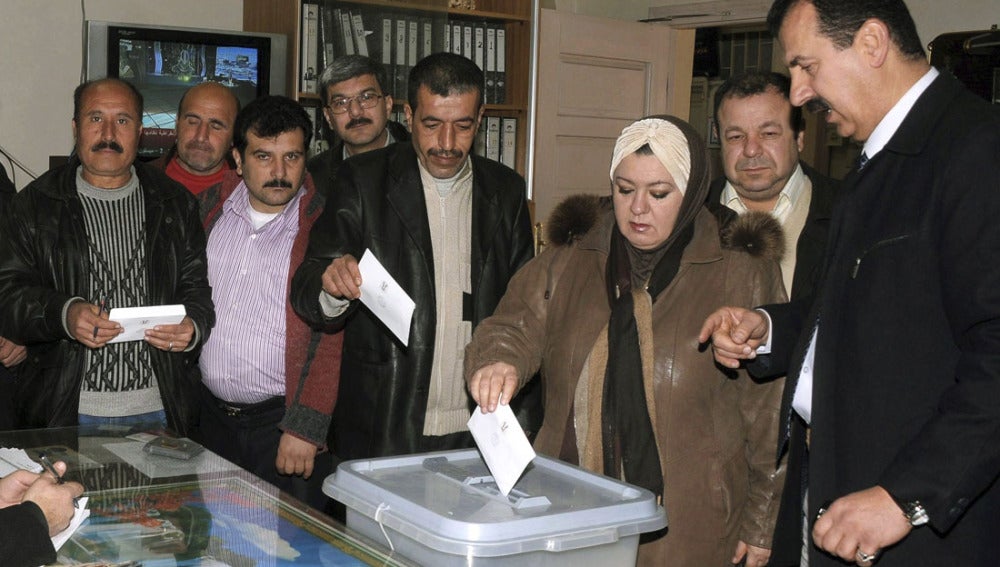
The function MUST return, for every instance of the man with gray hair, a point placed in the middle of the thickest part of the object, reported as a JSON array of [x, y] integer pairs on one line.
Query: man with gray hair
[[357, 107]]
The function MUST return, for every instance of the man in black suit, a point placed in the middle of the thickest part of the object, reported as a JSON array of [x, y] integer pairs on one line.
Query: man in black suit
[[761, 135], [357, 107], [451, 228], [896, 364]]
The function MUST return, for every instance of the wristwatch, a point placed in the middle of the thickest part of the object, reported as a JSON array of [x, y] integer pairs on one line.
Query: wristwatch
[[914, 512]]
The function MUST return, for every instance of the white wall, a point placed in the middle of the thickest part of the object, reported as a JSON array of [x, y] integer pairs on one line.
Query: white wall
[[43, 58], [934, 17]]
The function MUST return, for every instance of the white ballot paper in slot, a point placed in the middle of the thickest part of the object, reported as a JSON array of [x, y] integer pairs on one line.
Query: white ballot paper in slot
[[383, 296], [135, 320], [504, 445]]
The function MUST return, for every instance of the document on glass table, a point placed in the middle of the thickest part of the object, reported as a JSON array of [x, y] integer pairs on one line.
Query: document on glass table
[[80, 513], [135, 320], [504, 445], [385, 298]]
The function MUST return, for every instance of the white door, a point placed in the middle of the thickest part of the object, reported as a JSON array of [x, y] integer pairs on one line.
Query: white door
[[595, 76]]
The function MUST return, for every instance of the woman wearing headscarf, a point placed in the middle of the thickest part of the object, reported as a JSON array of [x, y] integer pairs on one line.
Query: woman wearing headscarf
[[610, 313]]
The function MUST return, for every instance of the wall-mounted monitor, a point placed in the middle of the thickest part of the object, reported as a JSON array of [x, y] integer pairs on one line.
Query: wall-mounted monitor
[[163, 62]]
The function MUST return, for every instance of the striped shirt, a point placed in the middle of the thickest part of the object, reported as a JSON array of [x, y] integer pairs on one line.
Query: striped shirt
[[243, 360], [118, 379]]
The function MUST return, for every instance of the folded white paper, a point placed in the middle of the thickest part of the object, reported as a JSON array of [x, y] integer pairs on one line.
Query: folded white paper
[[135, 320], [80, 514], [15, 459], [385, 298], [504, 445]]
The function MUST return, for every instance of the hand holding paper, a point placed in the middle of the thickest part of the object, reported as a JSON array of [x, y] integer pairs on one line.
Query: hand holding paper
[[135, 321], [504, 445], [385, 298]]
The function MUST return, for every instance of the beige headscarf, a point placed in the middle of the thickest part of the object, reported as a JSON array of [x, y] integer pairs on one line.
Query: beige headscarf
[[667, 141]]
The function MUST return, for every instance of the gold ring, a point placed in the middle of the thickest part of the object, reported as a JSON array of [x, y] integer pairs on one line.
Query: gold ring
[[170, 347]]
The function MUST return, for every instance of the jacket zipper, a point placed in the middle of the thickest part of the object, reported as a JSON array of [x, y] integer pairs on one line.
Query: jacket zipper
[[874, 247]]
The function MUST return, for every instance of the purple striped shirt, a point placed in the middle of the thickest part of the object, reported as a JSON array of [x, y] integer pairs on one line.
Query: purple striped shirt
[[243, 360]]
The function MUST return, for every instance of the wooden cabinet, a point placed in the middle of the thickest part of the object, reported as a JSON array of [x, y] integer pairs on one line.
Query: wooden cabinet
[[514, 17]]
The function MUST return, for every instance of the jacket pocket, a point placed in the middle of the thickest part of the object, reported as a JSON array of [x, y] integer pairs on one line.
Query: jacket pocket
[[876, 248]]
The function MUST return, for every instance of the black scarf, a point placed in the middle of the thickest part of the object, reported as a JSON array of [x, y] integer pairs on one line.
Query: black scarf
[[627, 438]]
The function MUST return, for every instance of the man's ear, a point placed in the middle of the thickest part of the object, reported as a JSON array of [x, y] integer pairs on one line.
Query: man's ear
[[408, 112], [238, 160], [874, 41], [800, 140]]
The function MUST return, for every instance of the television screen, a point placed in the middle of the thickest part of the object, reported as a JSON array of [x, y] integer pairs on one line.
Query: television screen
[[164, 62]]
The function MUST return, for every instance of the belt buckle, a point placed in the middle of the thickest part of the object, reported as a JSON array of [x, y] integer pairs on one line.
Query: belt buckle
[[231, 411]]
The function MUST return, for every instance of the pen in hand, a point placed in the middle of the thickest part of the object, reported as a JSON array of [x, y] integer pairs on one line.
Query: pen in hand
[[99, 312], [49, 467]]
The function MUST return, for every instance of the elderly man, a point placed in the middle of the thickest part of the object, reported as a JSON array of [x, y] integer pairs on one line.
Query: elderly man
[[451, 228], [895, 365], [761, 135], [356, 107], [270, 381], [202, 154], [97, 233]]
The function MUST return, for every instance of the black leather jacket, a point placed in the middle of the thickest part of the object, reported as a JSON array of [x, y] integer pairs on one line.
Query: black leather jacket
[[378, 204], [43, 264], [324, 166]]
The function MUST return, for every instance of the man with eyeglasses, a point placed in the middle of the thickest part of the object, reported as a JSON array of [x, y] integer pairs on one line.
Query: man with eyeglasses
[[452, 228], [356, 107]]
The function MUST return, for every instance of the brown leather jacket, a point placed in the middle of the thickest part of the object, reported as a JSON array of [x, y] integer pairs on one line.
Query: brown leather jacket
[[717, 430]]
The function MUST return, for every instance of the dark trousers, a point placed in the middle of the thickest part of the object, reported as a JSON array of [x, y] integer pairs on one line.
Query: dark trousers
[[250, 440], [8, 409]]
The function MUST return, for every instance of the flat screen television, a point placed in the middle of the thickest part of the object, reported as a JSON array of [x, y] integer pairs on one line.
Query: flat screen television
[[163, 62]]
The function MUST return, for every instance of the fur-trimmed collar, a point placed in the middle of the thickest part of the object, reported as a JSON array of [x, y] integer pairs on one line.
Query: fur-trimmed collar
[[758, 234]]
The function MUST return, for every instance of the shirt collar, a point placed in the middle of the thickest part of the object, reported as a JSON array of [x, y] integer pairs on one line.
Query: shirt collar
[[894, 118], [239, 204]]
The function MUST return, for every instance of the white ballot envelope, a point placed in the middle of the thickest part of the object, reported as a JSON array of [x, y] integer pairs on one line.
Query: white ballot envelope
[[385, 298], [504, 445], [135, 320]]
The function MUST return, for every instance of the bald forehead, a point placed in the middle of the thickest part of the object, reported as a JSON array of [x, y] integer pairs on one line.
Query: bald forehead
[[212, 94]]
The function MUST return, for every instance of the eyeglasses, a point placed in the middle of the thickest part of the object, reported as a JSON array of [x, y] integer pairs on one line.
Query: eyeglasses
[[341, 105]]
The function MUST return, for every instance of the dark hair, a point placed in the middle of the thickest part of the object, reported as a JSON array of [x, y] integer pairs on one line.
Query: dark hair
[[268, 117], [349, 67], [839, 21], [82, 88], [236, 99], [445, 74], [750, 83]]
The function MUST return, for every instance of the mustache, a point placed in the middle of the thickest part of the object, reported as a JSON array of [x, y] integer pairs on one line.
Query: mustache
[[198, 146], [753, 164], [446, 153], [360, 121], [279, 183], [817, 106], [108, 145]]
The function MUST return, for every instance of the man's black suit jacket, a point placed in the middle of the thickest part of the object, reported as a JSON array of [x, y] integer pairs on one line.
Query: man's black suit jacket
[[378, 204], [906, 391]]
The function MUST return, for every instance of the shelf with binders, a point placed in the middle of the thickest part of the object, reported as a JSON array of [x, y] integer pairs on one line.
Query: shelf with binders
[[400, 32]]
